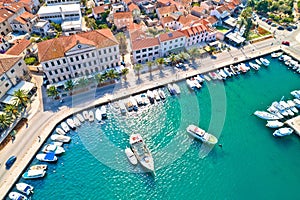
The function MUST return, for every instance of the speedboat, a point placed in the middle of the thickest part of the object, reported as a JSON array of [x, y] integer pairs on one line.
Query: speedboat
[[231, 67], [150, 96], [228, 71], [80, 117], [265, 62], [141, 152], [98, 115], [24, 188], [286, 107], [91, 116], [129, 105], [161, 94], [131, 157], [222, 73], [33, 174], [292, 106], [257, 61], [46, 157], [65, 127], [134, 103], [76, 121], [243, 67], [53, 148], [60, 131], [196, 83], [213, 75], [274, 111], [265, 115], [122, 108], [176, 88], [16, 196], [280, 108], [297, 102], [200, 134], [60, 138], [191, 84], [206, 77], [38, 167], [85, 115], [171, 89], [139, 100], [274, 124], [199, 78], [276, 55], [254, 66], [283, 132], [58, 144], [71, 123], [156, 95], [103, 112], [145, 99]]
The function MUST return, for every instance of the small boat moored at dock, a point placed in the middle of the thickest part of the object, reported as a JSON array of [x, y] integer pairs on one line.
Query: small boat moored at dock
[[46, 157], [60, 138], [274, 124], [265, 115], [131, 157], [80, 117], [65, 127], [38, 167], [91, 116], [85, 115], [283, 132], [34, 174], [24, 188], [98, 115], [71, 123], [265, 61], [16, 196], [60, 131], [176, 88]]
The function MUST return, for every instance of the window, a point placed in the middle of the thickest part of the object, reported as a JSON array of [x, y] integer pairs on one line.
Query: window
[[46, 65], [144, 50], [93, 54], [111, 58], [156, 47], [12, 71], [109, 50], [74, 67], [77, 59], [104, 51], [53, 80], [99, 52], [90, 64], [115, 49], [67, 69], [6, 84], [84, 64], [150, 54], [50, 73], [106, 59], [64, 61], [56, 72], [138, 57], [64, 77], [79, 66], [165, 43], [150, 49], [181, 39], [52, 63], [138, 51], [2, 78], [176, 40], [61, 70], [88, 55], [95, 63], [116, 57], [71, 59], [171, 42], [58, 62], [82, 57]]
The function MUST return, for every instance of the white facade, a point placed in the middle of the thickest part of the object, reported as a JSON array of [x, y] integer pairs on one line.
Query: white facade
[[61, 2], [71, 27], [172, 44], [25, 26], [41, 27], [117, 8]]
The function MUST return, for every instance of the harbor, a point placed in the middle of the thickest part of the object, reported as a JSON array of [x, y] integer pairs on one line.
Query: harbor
[[295, 124]]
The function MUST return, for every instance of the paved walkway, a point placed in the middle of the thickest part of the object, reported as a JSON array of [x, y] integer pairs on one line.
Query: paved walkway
[[41, 123]]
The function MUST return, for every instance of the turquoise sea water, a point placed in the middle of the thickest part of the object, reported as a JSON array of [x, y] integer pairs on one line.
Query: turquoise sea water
[[252, 164]]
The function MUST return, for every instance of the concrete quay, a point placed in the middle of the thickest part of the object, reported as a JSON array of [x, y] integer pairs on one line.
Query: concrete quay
[[294, 123]]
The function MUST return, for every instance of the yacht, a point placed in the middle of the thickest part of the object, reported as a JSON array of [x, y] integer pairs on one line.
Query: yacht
[[265, 115], [48, 148], [98, 115], [223, 74], [131, 157], [286, 107], [85, 115], [39, 167], [16, 196], [60, 138], [176, 88], [265, 62], [275, 111], [46, 157], [139, 100], [196, 83], [146, 100], [60, 131], [76, 121], [254, 66], [280, 108], [103, 112], [156, 95], [292, 106], [33, 174], [24, 188], [141, 152], [213, 75], [171, 89], [65, 127], [200, 134], [297, 102], [283, 132], [296, 94], [71, 123], [274, 124], [161, 94], [258, 62], [243, 67], [190, 84], [150, 96], [80, 117], [231, 67], [91, 116], [276, 55]]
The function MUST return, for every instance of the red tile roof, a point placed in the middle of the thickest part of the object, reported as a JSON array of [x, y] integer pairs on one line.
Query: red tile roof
[[144, 43], [165, 20], [170, 36], [122, 15], [7, 62], [19, 47], [99, 9], [198, 9], [132, 7], [167, 9]]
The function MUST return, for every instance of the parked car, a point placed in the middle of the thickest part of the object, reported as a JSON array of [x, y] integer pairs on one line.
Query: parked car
[[10, 162], [287, 43], [264, 19], [273, 25], [289, 28], [269, 22], [294, 26], [280, 28]]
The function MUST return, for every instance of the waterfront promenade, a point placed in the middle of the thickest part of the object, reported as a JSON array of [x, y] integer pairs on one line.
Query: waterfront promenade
[[42, 123]]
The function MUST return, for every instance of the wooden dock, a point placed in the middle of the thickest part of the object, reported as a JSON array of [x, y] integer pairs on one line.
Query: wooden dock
[[294, 123]]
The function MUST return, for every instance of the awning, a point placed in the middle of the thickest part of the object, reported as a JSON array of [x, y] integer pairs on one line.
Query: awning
[[23, 85], [9, 100], [235, 37], [215, 43]]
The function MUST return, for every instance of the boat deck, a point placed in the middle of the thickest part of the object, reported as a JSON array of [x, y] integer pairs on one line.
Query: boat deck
[[294, 123]]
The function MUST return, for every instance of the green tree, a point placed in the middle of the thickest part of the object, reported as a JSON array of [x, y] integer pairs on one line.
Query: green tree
[[160, 62], [21, 98], [262, 6], [69, 85], [124, 73], [57, 27], [102, 26], [83, 82], [11, 110], [111, 75], [173, 59], [5, 121], [52, 92], [194, 53], [30, 60], [122, 44], [100, 78], [137, 68], [150, 64], [183, 56]]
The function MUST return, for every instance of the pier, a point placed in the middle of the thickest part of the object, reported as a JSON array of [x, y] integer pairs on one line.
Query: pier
[[294, 123]]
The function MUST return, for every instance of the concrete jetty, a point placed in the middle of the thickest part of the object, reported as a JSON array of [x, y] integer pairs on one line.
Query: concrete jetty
[[294, 123]]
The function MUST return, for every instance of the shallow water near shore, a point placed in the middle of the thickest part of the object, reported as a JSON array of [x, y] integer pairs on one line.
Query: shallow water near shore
[[251, 163]]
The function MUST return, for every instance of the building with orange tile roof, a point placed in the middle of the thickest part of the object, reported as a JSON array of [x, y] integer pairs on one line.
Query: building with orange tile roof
[[166, 11], [78, 55], [199, 11], [122, 19], [4, 45], [135, 10], [31, 6], [19, 48], [24, 22], [171, 42], [98, 10]]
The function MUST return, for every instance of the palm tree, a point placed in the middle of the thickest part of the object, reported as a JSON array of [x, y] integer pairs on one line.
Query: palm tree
[[100, 78], [124, 73], [21, 98], [160, 62], [137, 68], [194, 53], [112, 74], [5, 121], [52, 92], [11, 110], [69, 85], [183, 56], [173, 59], [122, 44], [150, 64], [83, 82]]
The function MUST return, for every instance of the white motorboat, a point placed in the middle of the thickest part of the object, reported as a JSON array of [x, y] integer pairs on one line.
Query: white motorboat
[[199, 79], [98, 115], [297, 102], [190, 84], [145, 99], [222, 73], [243, 67], [161, 94], [46, 157], [53, 148], [258, 62], [283, 132], [274, 111], [25, 188], [276, 54], [60, 131], [231, 67], [150, 96], [200, 134], [134, 103], [80, 117], [213, 75], [196, 83], [103, 112], [280, 108], [122, 108], [296, 94], [139, 100], [228, 71], [16, 196], [91, 116], [292, 106], [265, 115], [85, 115], [33, 174], [141, 152], [58, 144], [171, 89], [207, 78], [60, 138], [76, 121], [131, 157], [156, 95], [286, 107], [254, 66], [65, 127], [71, 123], [176, 88], [39, 167], [274, 124], [265, 61]]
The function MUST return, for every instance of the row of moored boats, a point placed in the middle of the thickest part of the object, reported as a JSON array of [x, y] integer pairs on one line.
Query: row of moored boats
[[290, 62]]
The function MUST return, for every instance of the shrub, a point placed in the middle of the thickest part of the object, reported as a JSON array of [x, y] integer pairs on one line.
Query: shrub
[[30, 60]]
